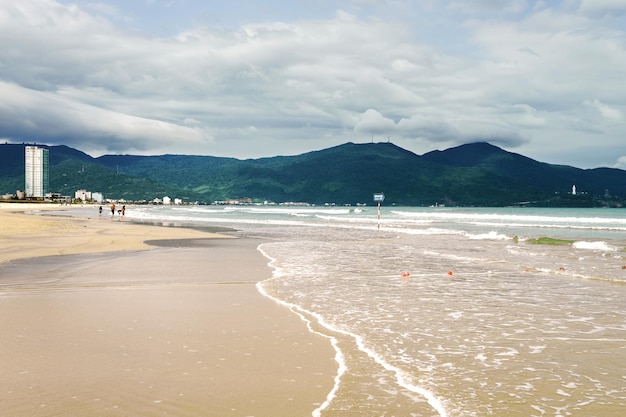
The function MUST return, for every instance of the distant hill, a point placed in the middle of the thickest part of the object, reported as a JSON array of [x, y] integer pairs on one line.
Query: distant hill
[[529, 174], [477, 174]]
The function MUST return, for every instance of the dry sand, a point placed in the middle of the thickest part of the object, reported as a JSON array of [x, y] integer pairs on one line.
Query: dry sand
[[118, 330], [29, 236]]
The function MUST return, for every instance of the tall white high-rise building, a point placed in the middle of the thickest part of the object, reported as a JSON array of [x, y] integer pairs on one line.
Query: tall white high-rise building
[[37, 171]]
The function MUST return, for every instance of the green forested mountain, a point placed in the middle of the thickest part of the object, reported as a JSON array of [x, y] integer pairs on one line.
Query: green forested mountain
[[529, 174], [476, 174]]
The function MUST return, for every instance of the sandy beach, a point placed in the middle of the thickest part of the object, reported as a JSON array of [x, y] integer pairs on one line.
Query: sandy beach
[[95, 321]]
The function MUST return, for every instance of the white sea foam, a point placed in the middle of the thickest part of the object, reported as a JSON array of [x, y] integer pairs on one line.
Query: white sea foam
[[563, 393], [537, 348], [289, 209], [593, 246], [456, 314], [341, 369], [555, 225], [509, 218], [426, 231], [402, 378], [488, 236]]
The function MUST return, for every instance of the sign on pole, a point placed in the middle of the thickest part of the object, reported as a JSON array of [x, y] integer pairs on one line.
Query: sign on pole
[[379, 198]]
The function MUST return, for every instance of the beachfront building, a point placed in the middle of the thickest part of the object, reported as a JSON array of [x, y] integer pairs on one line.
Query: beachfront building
[[36, 171], [82, 195], [87, 196], [167, 201], [97, 197]]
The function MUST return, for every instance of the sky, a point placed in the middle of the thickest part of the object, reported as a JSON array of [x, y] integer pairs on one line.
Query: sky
[[251, 79]]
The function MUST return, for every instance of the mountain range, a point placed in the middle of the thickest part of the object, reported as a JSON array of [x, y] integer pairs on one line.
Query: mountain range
[[476, 174]]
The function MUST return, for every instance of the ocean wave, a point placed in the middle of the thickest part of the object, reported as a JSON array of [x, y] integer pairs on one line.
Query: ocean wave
[[488, 236], [593, 246], [549, 226], [292, 210], [508, 218]]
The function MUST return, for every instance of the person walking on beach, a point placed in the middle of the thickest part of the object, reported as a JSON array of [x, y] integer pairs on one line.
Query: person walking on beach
[[112, 210], [100, 210], [123, 210]]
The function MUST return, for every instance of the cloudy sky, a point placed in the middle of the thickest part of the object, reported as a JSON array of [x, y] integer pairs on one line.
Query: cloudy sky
[[249, 79]]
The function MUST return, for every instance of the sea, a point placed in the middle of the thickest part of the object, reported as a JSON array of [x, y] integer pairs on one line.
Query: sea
[[448, 312]]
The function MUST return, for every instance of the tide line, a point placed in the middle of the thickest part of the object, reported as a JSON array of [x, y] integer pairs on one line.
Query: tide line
[[401, 378]]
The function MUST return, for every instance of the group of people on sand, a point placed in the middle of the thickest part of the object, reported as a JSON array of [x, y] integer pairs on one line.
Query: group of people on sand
[[120, 212]]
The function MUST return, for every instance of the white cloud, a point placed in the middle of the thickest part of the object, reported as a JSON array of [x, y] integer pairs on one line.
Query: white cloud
[[523, 115], [606, 111], [603, 7], [488, 6], [518, 74], [427, 128], [621, 163], [33, 114], [373, 123]]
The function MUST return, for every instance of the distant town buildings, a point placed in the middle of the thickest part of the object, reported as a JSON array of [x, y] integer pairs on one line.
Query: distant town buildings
[[167, 201], [37, 172], [88, 196], [234, 202]]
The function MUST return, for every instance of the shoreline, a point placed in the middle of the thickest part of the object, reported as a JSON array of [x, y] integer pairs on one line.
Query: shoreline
[[112, 328], [24, 235]]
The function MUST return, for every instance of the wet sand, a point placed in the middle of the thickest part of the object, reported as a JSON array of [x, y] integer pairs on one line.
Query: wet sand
[[174, 328]]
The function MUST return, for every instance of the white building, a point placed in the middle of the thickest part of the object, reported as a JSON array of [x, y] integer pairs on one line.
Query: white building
[[178, 201], [37, 171], [167, 201], [97, 197], [83, 195]]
